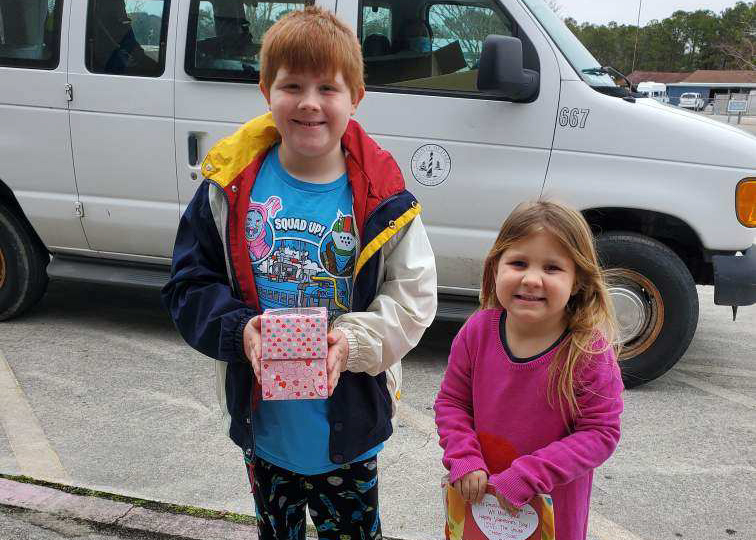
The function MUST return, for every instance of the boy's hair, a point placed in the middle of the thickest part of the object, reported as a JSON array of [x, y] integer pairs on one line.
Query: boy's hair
[[312, 40], [590, 314]]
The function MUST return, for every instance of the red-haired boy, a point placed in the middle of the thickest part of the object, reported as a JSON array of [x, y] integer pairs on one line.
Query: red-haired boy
[[301, 208]]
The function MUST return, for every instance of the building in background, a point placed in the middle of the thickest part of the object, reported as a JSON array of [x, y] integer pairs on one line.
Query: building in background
[[715, 87]]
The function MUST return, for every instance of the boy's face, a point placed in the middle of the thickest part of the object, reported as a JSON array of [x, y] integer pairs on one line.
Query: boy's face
[[311, 111]]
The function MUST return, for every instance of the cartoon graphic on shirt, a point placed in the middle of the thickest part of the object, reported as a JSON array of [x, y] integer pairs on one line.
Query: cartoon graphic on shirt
[[290, 272], [257, 230], [338, 253]]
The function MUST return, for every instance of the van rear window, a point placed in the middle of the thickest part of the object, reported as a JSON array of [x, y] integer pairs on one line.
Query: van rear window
[[224, 36], [30, 33]]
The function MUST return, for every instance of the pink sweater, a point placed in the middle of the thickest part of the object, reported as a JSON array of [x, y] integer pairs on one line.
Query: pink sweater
[[492, 414]]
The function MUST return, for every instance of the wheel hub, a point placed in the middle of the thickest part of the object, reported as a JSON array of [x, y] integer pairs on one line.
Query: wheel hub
[[639, 311], [631, 311]]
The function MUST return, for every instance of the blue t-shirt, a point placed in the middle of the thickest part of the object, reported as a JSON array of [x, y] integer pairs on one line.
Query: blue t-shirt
[[302, 242]]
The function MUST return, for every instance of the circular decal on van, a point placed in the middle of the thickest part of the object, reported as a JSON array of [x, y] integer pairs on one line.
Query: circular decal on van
[[431, 165]]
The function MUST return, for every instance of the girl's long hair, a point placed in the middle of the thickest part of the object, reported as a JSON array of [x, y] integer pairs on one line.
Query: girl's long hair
[[590, 314]]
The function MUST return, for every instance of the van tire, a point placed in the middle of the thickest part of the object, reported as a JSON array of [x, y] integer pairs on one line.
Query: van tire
[[643, 269], [23, 266]]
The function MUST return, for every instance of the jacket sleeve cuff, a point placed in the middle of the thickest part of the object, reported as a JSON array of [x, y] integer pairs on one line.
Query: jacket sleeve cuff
[[512, 487], [354, 349], [239, 337], [461, 467]]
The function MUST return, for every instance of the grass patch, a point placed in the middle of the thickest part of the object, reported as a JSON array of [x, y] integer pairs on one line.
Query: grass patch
[[142, 503]]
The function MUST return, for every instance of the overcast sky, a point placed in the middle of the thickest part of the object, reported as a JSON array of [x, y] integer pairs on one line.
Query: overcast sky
[[626, 11]]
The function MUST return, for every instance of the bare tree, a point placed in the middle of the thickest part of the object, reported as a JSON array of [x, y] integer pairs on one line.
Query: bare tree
[[468, 25], [743, 53]]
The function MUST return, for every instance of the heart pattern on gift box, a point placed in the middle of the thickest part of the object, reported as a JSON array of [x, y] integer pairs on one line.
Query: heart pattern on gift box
[[294, 379], [294, 348], [290, 333]]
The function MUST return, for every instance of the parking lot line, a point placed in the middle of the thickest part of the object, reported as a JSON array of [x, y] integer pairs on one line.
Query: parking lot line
[[713, 389], [424, 423], [34, 455], [602, 528], [717, 370]]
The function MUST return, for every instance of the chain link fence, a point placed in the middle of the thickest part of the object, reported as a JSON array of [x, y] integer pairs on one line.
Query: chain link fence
[[744, 104]]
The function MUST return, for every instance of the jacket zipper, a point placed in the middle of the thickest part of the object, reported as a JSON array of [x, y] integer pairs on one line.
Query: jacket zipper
[[237, 290]]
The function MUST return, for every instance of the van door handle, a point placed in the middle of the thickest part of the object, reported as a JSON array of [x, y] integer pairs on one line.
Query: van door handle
[[193, 157]]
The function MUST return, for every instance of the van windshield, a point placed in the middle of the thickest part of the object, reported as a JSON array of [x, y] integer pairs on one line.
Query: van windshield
[[577, 55]]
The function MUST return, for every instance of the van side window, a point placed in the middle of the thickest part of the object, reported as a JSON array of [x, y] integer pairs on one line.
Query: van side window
[[431, 45], [127, 37], [224, 36], [30, 33]]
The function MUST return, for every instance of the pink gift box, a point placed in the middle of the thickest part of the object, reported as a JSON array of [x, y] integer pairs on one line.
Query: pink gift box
[[294, 350], [294, 379], [294, 333]]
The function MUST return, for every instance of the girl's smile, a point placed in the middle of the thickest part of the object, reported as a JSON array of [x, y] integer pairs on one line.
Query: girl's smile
[[535, 278]]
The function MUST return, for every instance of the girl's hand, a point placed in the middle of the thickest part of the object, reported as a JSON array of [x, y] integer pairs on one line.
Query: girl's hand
[[338, 352], [506, 505], [472, 486], [253, 345]]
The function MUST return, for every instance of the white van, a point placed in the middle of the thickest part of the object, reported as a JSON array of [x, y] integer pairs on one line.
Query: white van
[[654, 90], [108, 107]]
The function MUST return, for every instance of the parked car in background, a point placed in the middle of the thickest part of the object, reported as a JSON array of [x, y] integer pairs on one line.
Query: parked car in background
[[108, 107], [692, 100]]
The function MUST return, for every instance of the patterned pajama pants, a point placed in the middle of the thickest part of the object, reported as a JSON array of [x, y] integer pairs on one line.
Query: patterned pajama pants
[[343, 503]]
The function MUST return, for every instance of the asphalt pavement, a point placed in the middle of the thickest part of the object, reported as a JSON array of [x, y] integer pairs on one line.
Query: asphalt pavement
[[98, 390]]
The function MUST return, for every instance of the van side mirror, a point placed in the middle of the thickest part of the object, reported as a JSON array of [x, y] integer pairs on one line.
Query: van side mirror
[[500, 70]]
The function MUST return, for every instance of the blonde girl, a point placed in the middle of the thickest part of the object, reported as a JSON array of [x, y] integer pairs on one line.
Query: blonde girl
[[531, 400]]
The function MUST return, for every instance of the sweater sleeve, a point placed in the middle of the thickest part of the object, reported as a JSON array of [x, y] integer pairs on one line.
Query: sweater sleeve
[[594, 437], [454, 414]]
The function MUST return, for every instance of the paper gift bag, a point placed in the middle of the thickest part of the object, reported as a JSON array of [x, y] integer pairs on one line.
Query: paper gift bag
[[489, 521]]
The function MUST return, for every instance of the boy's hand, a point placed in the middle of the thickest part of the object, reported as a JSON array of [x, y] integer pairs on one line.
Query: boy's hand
[[253, 345], [472, 486], [505, 504], [338, 351]]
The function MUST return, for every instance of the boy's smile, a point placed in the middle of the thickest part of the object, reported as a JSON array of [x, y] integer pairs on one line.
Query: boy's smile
[[311, 112]]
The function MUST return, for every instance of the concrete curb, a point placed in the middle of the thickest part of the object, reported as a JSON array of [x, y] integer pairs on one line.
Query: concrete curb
[[118, 514]]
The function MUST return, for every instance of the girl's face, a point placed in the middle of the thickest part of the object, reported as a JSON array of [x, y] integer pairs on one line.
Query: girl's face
[[535, 278]]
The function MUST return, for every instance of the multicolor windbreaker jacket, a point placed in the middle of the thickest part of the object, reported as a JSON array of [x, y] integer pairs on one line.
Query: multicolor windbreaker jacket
[[211, 295]]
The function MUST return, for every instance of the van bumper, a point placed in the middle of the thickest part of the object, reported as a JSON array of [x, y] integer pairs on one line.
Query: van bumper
[[735, 279]]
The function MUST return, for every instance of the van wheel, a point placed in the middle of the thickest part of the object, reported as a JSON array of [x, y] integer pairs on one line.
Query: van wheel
[[656, 302], [23, 266]]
